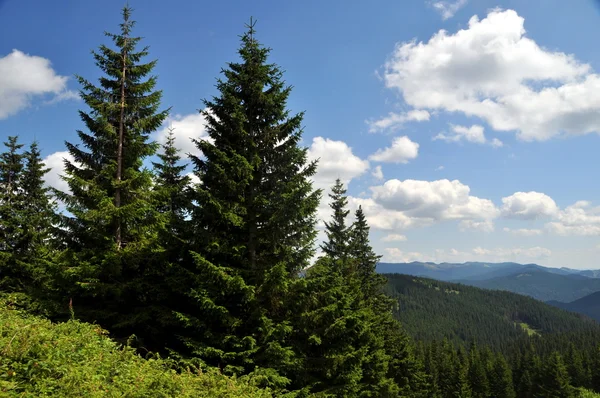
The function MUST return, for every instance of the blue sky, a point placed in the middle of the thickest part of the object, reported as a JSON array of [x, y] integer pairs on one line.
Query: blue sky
[[467, 130]]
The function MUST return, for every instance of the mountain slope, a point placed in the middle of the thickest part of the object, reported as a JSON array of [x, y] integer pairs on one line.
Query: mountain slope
[[433, 310], [588, 305], [542, 285], [474, 270]]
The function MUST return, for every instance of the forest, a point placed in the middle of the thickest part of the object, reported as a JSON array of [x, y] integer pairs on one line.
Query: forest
[[208, 287]]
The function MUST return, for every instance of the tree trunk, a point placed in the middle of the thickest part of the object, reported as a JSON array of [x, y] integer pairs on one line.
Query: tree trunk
[[118, 237]]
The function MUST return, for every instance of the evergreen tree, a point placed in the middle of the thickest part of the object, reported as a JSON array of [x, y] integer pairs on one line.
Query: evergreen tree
[[11, 212], [254, 219], [574, 363], [362, 253], [478, 374], [555, 381], [338, 234], [111, 230], [501, 382]]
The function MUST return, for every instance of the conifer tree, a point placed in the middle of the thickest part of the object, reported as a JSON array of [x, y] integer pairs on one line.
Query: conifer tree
[[478, 374], [11, 211], [112, 224], [338, 234], [501, 382], [363, 255], [39, 209], [254, 219], [555, 382]]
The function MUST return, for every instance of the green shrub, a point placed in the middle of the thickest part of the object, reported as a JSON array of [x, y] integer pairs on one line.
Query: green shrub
[[75, 359]]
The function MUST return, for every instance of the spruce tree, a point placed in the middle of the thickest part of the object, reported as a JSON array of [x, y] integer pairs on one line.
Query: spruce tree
[[362, 253], [501, 382], [555, 382], [254, 219], [11, 212], [338, 234], [111, 225]]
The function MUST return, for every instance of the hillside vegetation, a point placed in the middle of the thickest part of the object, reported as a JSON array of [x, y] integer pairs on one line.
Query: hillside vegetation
[[433, 310], [75, 359]]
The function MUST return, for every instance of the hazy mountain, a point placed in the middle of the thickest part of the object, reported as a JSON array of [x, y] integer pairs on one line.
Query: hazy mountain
[[542, 285], [474, 270], [588, 305]]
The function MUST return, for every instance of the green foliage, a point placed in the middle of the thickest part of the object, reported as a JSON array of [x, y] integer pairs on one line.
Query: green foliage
[[74, 359], [428, 310], [336, 245], [111, 231]]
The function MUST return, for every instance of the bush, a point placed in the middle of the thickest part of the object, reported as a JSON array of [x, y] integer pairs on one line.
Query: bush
[[75, 359]]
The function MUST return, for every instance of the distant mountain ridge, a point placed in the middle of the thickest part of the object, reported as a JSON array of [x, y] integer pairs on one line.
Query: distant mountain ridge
[[588, 305], [543, 283]]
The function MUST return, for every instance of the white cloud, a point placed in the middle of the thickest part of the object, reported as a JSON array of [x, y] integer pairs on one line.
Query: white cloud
[[481, 226], [55, 162], [523, 231], [23, 77], [396, 120], [395, 255], [578, 219], [474, 134], [439, 168], [402, 151], [382, 218], [394, 238], [185, 127], [447, 9], [515, 254], [496, 143], [529, 206], [492, 71], [436, 200], [377, 173], [336, 160]]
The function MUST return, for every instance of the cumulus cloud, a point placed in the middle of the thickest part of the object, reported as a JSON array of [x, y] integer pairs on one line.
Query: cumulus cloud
[[523, 231], [581, 219], [395, 255], [24, 77], [474, 134], [185, 127], [396, 120], [447, 9], [402, 151], [394, 238], [377, 173], [481, 226], [56, 163], [436, 200], [336, 160], [493, 71], [529, 206]]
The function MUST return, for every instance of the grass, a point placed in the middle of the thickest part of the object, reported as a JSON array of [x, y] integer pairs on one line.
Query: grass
[[75, 359]]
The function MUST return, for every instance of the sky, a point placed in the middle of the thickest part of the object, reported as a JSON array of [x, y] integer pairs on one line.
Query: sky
[[466, 129]]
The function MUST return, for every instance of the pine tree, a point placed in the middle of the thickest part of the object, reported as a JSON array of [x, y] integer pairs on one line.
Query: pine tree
[[11, 209], [555, 382], [111, 232], [362, 253], [501, 382], [338, 234], [39, 208], [477, 374], [254, 219]]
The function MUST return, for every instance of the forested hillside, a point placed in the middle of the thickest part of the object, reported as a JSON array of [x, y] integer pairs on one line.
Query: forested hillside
[[434, 310], [217, 276]]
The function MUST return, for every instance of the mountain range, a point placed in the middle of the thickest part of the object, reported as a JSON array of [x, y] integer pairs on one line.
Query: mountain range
[[564, 285]]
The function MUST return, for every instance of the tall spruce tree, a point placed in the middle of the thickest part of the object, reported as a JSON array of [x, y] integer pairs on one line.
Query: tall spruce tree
[[338, 234], [11, 212], [554, 381], [254, 223], [112, 224]]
